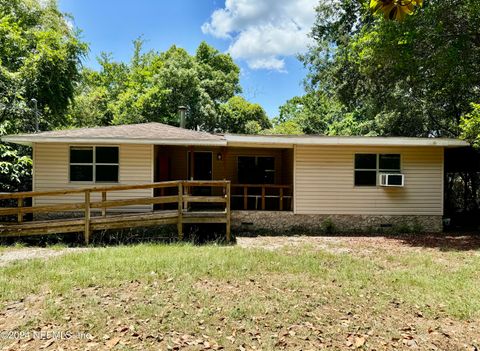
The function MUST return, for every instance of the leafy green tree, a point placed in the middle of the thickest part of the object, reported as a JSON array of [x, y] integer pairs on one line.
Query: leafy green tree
[[238, 115], [39, 59], [286, 128], [153, 85], [317, 113], [15, 167], [470, 126], [416, 77], [95, 92]]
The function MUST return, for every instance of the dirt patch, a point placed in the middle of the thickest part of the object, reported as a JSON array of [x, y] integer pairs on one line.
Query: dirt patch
[[362, 245], [28, 253]]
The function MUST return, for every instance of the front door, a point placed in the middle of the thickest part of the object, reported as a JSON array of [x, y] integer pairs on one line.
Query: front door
[[201, 170]]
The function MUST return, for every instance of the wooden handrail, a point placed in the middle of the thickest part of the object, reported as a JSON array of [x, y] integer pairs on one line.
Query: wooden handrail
[[136, 201], [28, 194], [272, 186], [36, 209], [212, 183], [169, 184], [263, 193], [88, 205]]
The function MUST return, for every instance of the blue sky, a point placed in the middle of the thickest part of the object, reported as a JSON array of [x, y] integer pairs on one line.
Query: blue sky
[[263, 36]]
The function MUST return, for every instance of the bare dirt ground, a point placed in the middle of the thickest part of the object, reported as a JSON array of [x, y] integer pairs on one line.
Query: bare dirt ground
[[28, 253], [365, 246]]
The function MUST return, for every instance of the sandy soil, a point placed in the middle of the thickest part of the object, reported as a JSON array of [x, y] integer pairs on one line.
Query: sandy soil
[[364, 245], [27, 253]]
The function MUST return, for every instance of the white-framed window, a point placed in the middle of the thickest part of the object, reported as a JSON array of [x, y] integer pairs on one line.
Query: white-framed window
[[368, 166], [96, 164]]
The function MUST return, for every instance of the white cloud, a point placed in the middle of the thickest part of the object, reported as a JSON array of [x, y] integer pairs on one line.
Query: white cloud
[[263, 32]]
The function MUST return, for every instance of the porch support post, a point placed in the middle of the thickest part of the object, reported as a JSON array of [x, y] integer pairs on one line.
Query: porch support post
[[20, 207], [104, 199], [87, 217], [263, 197], [180, 211], [228, 212], [245, 197], [281, 199], [224, 161], [192, 163]]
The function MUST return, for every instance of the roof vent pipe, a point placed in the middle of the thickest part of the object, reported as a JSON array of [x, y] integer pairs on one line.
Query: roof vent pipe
[[182, 112]]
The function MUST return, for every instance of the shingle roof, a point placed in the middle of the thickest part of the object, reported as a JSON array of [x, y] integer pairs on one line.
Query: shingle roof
[[152, 132], [162, 134], [143, 130]]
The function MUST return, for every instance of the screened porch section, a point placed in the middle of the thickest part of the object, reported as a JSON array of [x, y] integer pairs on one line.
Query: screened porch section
[[261, 178]]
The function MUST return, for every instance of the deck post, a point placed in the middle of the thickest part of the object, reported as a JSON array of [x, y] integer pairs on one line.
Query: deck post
[[245, 198], [162, 194], [192, 163], [87, 217], [104, 209], [228, 197], [180, 211], [263, 197], [20, 212], [281, 199]]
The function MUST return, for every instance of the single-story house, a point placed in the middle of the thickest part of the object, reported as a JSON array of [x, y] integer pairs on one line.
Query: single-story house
[[353, 182]]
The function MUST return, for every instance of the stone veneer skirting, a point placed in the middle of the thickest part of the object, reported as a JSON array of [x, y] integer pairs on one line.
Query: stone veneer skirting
[[284, 222]]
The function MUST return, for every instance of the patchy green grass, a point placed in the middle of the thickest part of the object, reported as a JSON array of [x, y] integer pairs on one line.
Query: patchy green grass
[[198, 296]]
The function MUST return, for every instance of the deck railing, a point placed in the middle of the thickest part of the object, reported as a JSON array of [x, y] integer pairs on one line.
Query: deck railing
[[260, 193], [95, 216]]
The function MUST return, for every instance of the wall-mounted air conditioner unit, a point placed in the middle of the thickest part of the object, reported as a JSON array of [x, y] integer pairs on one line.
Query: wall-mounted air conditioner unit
[[392, 179]]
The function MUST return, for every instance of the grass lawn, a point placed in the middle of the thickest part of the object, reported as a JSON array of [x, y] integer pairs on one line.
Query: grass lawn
[[340, 294]]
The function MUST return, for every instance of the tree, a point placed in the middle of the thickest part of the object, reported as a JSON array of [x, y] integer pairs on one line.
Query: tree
[[286, 128], [238, 115], [470, 126], [317, 113], [413, 78], [153, 85], [39, 59], [15, 167]]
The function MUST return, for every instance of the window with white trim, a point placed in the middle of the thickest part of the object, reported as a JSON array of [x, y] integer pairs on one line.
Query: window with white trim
[[99, 164], [368, 166]]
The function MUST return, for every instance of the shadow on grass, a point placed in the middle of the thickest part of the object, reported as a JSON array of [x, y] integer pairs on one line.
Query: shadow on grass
[[442, 242], [460, 241], [195, 234], [207, 234]]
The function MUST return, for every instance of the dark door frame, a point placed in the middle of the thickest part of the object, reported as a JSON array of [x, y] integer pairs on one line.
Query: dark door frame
[[191, 176]]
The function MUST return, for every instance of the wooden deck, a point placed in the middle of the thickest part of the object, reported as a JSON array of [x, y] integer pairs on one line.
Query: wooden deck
[[90, 216]]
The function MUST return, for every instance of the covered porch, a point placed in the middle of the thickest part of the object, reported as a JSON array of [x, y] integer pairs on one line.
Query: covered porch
[[262, 178]]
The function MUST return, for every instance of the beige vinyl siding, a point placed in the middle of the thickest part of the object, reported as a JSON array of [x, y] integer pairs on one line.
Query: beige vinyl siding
[[324, 182], [51, 169]]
